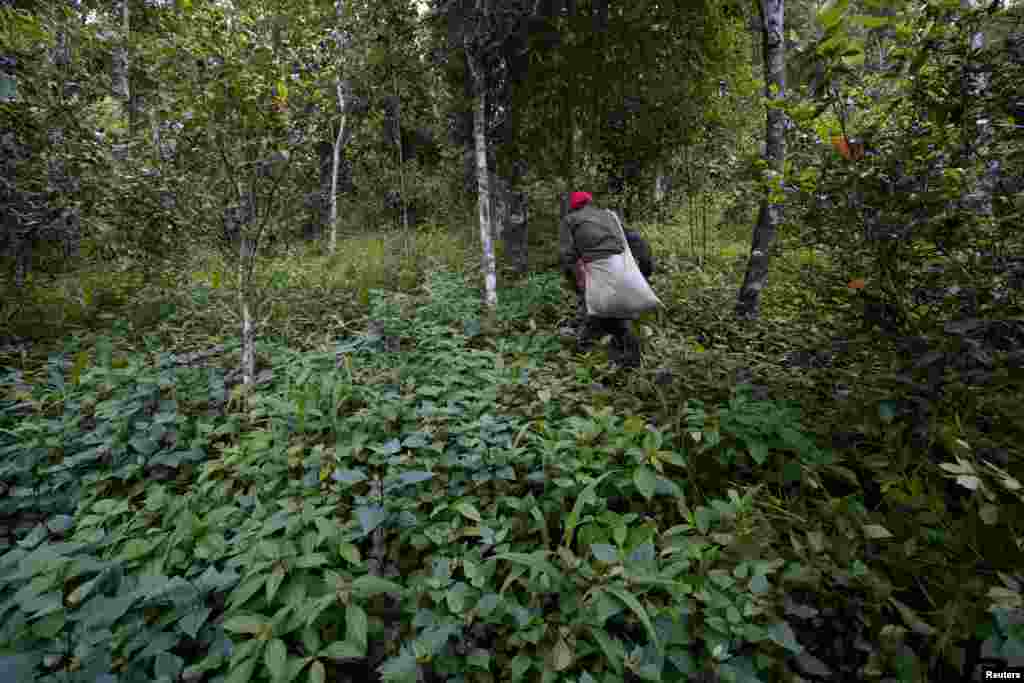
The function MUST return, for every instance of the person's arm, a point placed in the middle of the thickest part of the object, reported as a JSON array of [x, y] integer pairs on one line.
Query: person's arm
[[566, 251]]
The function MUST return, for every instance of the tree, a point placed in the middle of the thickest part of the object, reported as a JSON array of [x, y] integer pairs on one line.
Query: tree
[[772, 14], [476, 70], [342, 88]]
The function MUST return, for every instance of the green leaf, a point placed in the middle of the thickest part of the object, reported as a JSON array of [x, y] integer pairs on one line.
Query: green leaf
[[487, 604], [414, 477], [275, 657], [612, 647], [400, 668], [247, 589], [479, 659], [758, 451], [371, 516], [274, 582], [191, 623], [645, 480], [349, 553], [587, 497], [342, 649], [534, 561], [348, 476], [317, 673], [469, 511], [50, 625], [356, 627], [630, 600], [832, 13], [251, 624], [704, 517], [368, 585], [310, 561], [869, 22], [113, 609], [294, 668], [243, 672], [168, 665]]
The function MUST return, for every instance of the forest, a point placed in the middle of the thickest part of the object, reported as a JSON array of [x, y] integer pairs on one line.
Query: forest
[[291, 386]]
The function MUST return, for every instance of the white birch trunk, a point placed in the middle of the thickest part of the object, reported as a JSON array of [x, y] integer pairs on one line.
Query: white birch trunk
[[335, 168], [339, 140], [483, 181], [245, 256]]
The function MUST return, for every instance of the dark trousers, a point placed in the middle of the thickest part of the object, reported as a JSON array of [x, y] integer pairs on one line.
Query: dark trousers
[[625, 345]]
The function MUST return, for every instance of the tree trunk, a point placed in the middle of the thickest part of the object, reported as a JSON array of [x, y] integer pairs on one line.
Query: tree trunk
[[335, 166], [516, 232], [119, 64], [980, 134], [341, 90], [770, 216], [401, 156], [483, 178], [246, 253]]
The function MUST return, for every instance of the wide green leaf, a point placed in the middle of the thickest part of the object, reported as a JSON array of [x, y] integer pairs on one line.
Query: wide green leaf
[[356, 626], [368, 585], [191, 623], [243, 672], [342, 649], [645, 480], [275, 657]]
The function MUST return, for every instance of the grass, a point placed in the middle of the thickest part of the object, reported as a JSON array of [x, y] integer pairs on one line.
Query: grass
[[417, 491]]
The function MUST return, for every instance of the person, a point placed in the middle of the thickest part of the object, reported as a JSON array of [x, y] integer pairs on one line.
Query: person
[[590, 233]]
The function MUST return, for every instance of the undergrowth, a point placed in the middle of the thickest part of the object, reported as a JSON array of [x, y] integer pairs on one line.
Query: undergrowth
[[415, 492]]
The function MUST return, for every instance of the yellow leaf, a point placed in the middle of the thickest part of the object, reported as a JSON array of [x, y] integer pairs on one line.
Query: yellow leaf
[[633, 425], [81, 361]]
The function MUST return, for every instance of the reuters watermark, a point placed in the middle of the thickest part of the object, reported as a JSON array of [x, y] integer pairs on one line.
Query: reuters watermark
[[1002, 674]]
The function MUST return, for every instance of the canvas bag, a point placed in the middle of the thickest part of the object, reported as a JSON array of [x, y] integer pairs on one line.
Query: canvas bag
[[615, 287]]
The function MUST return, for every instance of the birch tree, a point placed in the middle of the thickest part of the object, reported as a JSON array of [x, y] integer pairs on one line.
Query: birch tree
[[488, 267], [342, 88], [770, 215]]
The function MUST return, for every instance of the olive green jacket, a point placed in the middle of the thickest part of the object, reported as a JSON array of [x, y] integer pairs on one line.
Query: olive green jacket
[[587, 232]]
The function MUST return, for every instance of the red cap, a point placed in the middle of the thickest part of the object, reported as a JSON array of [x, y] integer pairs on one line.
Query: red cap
[[578, 199]]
